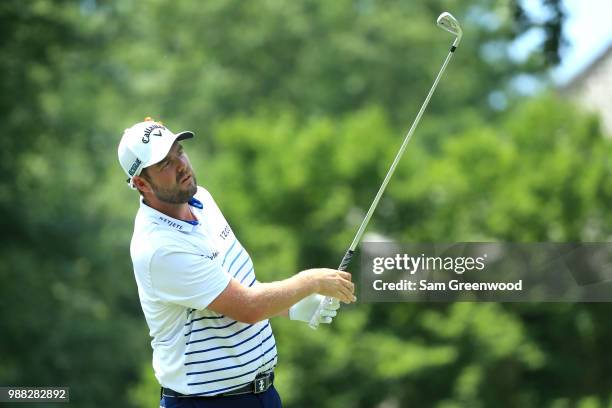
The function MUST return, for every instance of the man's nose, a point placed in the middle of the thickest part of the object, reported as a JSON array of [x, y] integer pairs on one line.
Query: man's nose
[[181, 164]]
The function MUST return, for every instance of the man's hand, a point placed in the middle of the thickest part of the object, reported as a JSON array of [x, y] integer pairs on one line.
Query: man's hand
[[332, 283], [307, 307]]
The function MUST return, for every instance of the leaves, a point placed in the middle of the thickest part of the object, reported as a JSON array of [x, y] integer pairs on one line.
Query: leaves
[[299, 108]]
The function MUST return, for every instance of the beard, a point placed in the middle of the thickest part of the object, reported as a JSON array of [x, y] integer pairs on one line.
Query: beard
[[176, 194]]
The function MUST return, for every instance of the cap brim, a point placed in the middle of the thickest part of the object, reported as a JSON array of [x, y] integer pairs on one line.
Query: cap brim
[[184, 135]]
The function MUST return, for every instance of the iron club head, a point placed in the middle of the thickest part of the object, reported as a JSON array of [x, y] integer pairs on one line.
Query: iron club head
[[447, 22]]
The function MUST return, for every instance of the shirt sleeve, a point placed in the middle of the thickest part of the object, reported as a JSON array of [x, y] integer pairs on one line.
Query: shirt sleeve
[[188, 279]]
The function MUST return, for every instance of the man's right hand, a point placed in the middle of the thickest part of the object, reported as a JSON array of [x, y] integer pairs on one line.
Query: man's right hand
[[332, 283]]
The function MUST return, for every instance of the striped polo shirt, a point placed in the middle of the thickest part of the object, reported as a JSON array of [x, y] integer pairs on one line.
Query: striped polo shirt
[[180, 268]]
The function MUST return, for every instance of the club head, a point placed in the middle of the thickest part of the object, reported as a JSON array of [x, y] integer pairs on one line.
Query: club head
[[447, 22]]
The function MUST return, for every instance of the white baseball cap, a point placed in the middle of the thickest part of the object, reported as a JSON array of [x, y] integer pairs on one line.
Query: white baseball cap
[[145, 144]]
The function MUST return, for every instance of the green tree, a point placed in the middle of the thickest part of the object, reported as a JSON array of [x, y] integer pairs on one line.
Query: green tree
[[289, 191], [299, 108], [69, 313]]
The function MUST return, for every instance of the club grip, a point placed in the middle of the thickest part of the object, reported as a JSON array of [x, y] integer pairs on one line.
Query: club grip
[[346, 260], [314, 321]]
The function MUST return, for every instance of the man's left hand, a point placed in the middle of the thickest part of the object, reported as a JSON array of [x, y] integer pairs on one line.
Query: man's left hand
[[307, 307]]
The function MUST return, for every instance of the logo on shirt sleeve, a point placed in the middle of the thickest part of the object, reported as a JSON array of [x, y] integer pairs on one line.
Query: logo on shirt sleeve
[[225, 233]]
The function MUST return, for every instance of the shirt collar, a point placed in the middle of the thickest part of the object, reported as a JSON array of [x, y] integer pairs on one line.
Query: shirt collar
[[194, 202], [171, 222]]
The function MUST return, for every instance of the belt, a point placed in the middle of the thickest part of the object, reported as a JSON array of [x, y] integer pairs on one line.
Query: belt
[[260, 384]]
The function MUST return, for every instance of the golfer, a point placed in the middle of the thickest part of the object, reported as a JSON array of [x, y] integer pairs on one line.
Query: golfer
[[207, 314]]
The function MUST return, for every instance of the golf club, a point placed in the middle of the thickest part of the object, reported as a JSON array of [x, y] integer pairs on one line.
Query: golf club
[[449, 23]]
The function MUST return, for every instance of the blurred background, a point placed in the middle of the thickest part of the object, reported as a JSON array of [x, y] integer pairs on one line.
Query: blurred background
[[299, 108]]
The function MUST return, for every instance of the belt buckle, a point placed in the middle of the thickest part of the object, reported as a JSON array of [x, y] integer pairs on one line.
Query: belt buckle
[[261, 384]]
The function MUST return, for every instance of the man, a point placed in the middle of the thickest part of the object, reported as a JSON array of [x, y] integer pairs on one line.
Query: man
[[207, 314]]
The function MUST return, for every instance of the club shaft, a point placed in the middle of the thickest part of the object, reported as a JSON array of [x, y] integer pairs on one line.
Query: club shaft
[[347, 257], [398, 156]]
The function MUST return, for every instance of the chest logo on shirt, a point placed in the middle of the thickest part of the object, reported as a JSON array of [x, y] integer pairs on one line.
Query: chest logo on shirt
[[212, 256], [225, 233]]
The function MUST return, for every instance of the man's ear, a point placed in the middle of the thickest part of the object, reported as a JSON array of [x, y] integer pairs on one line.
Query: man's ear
[[141, 184]]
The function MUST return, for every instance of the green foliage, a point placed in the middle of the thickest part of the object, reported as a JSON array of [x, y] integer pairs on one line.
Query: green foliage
[[299, 108], [525, 180]]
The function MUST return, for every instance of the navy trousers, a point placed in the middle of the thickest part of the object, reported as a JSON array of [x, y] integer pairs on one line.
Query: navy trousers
[[268, 399]]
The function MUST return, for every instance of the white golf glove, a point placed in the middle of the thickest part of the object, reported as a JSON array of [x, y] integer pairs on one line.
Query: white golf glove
[[307, 307]]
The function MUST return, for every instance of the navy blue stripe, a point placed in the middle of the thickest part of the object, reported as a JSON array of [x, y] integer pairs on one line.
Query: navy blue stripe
[[234, 366], [246, 274], [241, 266], [269, 361], [228, 251], [229, 378], [252, 282], [211, 328], [202, 318], [219, 337], [232, 356], [237, 256], [235, 386], [233, 346]]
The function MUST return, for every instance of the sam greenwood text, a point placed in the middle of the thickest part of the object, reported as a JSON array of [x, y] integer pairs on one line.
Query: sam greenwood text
[[424, 285]]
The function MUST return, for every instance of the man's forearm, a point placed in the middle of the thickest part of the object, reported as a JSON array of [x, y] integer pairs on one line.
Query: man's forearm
[[252, 304], [275, 298]]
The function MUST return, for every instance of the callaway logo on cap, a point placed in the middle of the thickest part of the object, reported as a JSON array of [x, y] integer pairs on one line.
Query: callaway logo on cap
[[145, 144]]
